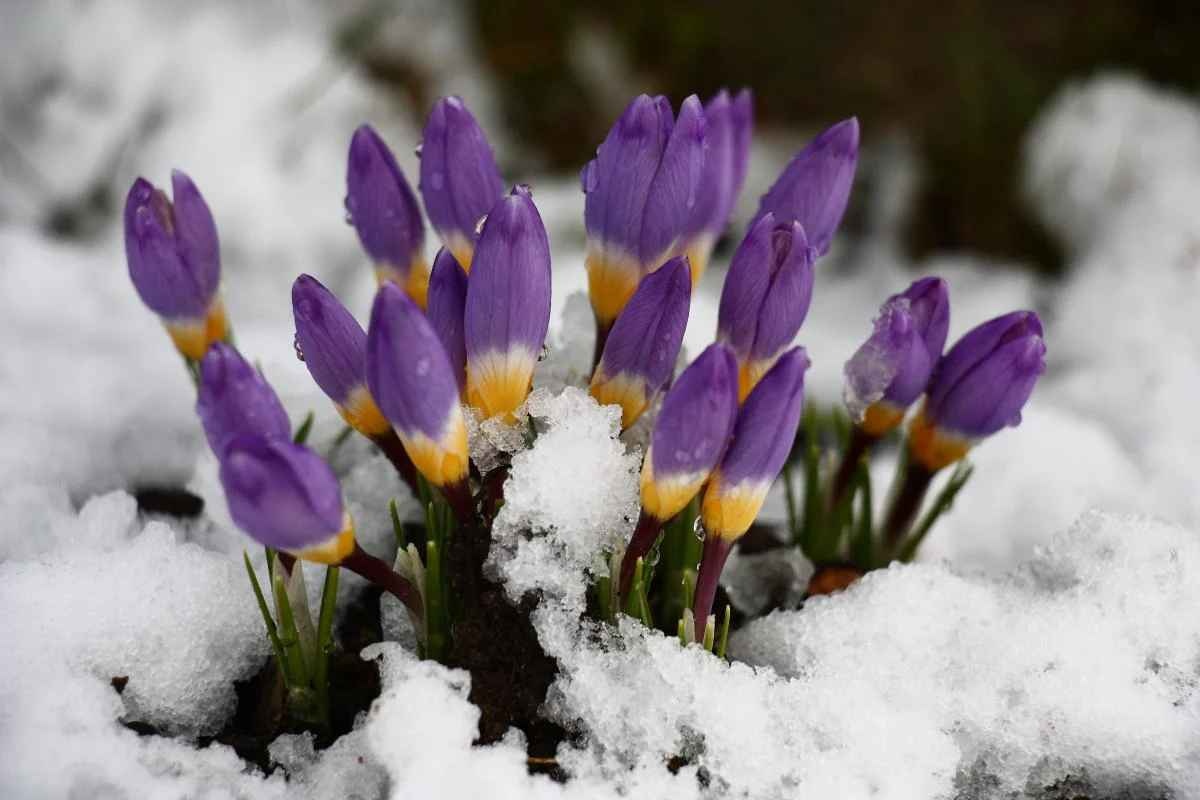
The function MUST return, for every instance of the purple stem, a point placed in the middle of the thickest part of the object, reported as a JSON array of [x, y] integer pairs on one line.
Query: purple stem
[[643, 539], [379, 573], [860, 442], [602, 332], [907, 503], [716, 550]]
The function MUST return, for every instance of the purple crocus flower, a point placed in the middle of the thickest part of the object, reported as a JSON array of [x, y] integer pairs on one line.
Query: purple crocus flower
[[765, 297], [728, 125], [979, 387], [640, 191], [385, 213], [762, 437], [460, 181], [447, 307], [814, 187], [508, 305], [232, 398], [410, 377], [892, 368], [174, 262], [284, 496], [334, 348], [639, 357]]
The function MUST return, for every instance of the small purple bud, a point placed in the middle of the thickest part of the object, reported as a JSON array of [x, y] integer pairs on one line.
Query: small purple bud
[[460, 181], [639, 357], [233, 398], [447, 307], [814, 187]]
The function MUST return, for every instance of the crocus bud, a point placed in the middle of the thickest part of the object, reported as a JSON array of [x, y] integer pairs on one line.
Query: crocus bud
[[233, 398], [814, 187], [334, 348], [385, 213], [410, 376], [285, 496], [174, 262], [690, 434], [460, 181], [447, 307], [508, 305], [892, 368], [640, 191], [765, 297], [640, 354], [728, 125], [979, 387]]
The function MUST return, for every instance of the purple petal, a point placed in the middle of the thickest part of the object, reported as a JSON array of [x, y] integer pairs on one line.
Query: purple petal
[[696, 419], [766, 426], [646, 337], [746, 286], [447, 307], [168, 282], [715, 191], [381, 204], [233, 398], [892, 364], [742, 118], [976, 346], [789, 295], [196, 234], [332, 342], [929, 305], [460, 181], [672, 194]]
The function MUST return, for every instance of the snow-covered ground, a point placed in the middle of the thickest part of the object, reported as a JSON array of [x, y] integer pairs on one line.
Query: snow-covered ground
[[1052, 632]]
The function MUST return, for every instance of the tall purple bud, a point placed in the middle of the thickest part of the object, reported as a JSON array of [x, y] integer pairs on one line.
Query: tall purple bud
[[508, 305], [174, 262], [385, 213], [460, 181], [814, 187], [766, 297], [640, 192], [233, 398], [640, 355], [892, 368], [447, 309], [728, 128]]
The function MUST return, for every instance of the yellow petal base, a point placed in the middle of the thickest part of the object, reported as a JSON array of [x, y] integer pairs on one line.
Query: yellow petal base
[[414, 279], [612, 280], [933, 448], [624, 391], [462, 248], [498, 383], [333, 551], [881, 418], [729, 511], [362, 414], [750, 373], [192, 338], [444, 461], [698, 253], [665, 498]]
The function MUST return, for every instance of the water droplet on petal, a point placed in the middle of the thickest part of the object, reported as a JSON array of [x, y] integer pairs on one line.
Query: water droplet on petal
[[698, 528], [422, 367], [437, 180], [297, 348], [479, 224], [417, 150]]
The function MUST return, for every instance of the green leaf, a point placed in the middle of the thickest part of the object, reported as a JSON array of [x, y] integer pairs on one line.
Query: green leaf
[[272, 633], [302, 432], [325, 641], [293, 661], [789, 496], [943, 503], [397, 528], [723, 639], [437, 628], [862, 542]]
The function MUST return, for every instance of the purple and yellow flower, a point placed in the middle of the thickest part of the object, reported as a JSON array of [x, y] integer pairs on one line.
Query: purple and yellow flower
[[892, 368], [410, 377], [233, 398], [447, 309], [765, 297], [286, 497], [814, 187], [384, 211], [978, 388], [174, 262], [728, 125], [334, 348], [460, 181], [639, 194], [508, 306], [639, 357]]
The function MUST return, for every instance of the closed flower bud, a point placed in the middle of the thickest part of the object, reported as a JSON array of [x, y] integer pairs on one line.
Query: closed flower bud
[[385, 213], [814, 187], [410, 377], [447, 308], [334, 348], [728, 125], [766, 297], [691, 433], [892, 368], [233, 398], [460, 181], [284, 496], [174, 262], [979, 387], [640, 192], [639, 357], [508, 306]]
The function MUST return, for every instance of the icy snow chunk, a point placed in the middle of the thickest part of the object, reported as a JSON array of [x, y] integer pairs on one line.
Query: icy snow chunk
[[568, 500], [870, 370], [568, 360], [493, 441]]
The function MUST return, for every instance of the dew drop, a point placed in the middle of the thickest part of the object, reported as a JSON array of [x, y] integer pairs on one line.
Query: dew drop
[[437, 180], [417, 150], [297, 348], [422, 368], [698, 529], [479, 225]]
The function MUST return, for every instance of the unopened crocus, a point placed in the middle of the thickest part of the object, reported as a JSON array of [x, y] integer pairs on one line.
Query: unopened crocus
[[640, 191], [814, 187], [460, 181], [447, 307], [233, 398], [410, 377], [639, 357], [762, 438], [508, 306], [728, 125], [689, 438], [174, 262], [766, 297], [384, 211], [978, 388]]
